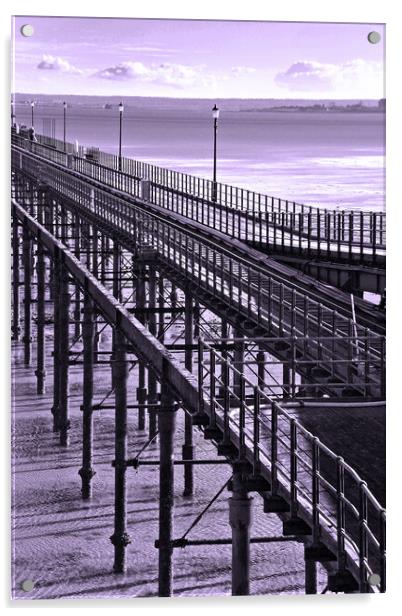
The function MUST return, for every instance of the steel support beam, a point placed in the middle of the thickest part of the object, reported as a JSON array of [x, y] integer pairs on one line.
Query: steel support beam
[[120, 538], [27, 259], [188, 447], [16, 328], [310, 572], [40, 371], [167, 424], [64, 322], [88, 330], [152, 381], [240, 520]]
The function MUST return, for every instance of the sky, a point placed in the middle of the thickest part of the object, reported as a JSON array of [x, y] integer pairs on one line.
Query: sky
[[197, 59]]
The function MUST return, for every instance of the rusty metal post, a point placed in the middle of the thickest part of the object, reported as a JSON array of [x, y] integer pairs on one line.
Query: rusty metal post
[[240, 520], [310, 570], [40, 371], [64, 322], [152, 381], [27, 259], [167, 425], [120, 538], [16, 328], [188, 447], [86, 472], [56, 341]]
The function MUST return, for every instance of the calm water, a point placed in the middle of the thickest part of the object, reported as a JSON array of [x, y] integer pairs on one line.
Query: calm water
[[324, 158]]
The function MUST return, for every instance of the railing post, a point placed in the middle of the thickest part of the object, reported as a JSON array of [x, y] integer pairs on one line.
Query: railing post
[[87, 472]]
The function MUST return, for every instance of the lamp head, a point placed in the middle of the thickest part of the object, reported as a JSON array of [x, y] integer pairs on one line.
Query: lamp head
[[121, 107], [215, 112]]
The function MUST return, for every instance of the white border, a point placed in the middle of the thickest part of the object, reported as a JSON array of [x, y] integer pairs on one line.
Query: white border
[[380, 11]]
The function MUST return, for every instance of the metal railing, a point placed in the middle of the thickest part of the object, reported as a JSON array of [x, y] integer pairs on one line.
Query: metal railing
[[319, 485], [261, 221], [265, 301]]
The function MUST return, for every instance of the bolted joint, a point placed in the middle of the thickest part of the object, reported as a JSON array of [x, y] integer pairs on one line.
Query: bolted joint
[[134, 462], [240, 513], [121, 541], [121, 464]]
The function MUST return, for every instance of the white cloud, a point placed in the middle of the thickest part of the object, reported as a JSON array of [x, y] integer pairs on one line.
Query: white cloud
[[354, 76], [55, 63], [175, 75]]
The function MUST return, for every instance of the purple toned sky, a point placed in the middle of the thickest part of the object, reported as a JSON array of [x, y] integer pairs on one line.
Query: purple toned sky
[[197, 58]]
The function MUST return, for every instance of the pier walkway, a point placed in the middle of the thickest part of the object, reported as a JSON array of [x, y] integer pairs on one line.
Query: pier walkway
[[258, 349]]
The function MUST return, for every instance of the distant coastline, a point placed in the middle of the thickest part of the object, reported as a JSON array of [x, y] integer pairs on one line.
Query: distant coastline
[[317, 107]]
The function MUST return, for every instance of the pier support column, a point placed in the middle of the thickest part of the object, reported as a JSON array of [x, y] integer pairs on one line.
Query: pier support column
[[87, 472], [77, 294], [27, 259], [139, 272], [40, 371], [64, 307], [120, 538], [95, 271], [310, 571], [261, 368], [16, 328], [56, 341], [167, 425], [161, 305], [240, 520], [152, 381], [188, 448]]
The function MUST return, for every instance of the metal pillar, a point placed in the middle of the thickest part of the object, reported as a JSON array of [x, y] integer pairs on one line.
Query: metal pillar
[[238, 361], [27, 259], [310, 569], [140, 303], [87, 472], [167, 424], [77, 294], [120, 538], [188, 448], [64, 423], [56, 341], [161, 305], [16, 329], [152, 381], [40, 371], [240, 519]]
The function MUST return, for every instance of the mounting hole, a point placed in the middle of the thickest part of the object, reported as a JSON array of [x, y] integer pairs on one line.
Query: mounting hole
[[374, 37], [27, 585], [374, 579], [27, 30]]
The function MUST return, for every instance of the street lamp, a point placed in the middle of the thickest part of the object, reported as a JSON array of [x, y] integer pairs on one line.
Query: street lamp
[[12, 112], [121, 109], [215, 115], [32, 113], [64, 124]]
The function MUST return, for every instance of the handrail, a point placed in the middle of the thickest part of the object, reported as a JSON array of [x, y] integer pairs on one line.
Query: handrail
[[359, 525], [305, 229]]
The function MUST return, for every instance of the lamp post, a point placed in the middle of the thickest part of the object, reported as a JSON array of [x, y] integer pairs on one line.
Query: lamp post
[[12, 112], [215, 115], [32, 113], [121, 109], [64, 124]]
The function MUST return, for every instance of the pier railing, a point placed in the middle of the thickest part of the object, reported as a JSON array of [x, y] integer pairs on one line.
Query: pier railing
[[262, 221], [273, 305], [319, 485]]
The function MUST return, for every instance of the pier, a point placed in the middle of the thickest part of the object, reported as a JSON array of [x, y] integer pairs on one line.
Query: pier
[[222, 311]]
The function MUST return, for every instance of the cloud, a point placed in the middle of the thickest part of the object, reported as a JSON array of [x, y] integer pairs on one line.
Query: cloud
[[175, 75], [55, 63], [307, 76], [243, 70]]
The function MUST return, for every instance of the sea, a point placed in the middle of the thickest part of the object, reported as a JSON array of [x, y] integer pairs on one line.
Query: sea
[[325, 157]]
